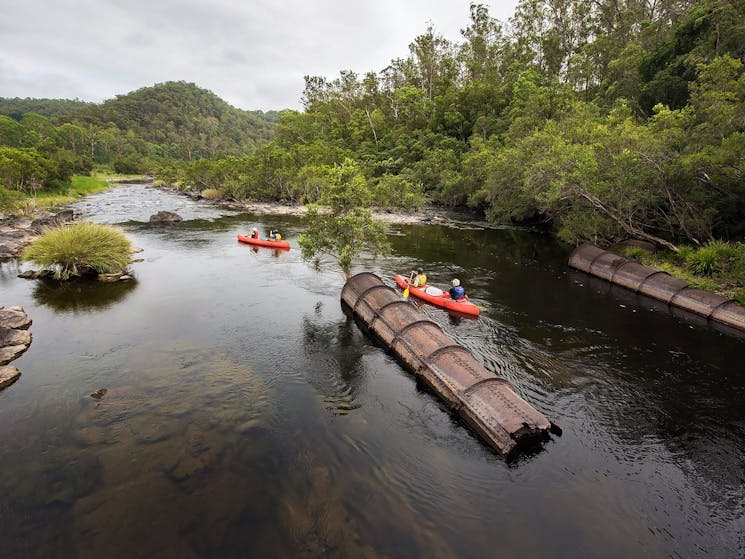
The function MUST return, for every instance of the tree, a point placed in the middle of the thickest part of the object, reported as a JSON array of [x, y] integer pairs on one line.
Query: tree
[[341, 225]]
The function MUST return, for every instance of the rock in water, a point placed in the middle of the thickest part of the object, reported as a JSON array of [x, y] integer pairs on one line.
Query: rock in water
[[165, 217], [99, 394], [14, 317], [11, 336], [8, 375], [11, 353]]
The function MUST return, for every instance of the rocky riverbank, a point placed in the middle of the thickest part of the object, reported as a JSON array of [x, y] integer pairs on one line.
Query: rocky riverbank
[[425, 215], [14, 341], [17, 232]]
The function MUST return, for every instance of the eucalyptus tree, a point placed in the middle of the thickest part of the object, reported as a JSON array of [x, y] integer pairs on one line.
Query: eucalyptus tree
[[341, 225]]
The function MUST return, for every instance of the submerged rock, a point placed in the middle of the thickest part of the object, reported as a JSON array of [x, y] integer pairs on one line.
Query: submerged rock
[[100, 393], [165, 217]]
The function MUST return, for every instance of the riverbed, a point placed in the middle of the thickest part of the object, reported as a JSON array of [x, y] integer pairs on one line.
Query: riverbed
[[223, 405]]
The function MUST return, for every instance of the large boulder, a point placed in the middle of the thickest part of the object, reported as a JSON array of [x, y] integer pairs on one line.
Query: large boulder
[[11, 336], [8, 375], [11, 353], [15, 318], [165, 217]]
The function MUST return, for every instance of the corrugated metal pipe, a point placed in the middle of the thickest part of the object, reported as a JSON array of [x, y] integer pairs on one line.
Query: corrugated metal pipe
[[485, 402], [658, 285]]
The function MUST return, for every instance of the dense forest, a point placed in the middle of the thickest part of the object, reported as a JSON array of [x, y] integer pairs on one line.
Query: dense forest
[[16, 107], [601, 119]]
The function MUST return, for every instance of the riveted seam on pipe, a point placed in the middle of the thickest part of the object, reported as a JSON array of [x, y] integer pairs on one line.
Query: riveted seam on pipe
[[617, 267], [362, 295], [402, 331], [379, 312], [444, 348], [483, 381], [592, 262], [715, 309], [654, 273], [678, 292], [426, 362]]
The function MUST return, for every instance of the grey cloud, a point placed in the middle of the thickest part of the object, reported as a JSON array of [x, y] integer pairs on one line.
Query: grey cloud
[[254, 53]]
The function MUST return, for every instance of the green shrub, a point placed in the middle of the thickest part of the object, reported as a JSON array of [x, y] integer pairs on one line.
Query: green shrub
[[702, 262], [714, 257], [395, 191], [739, 296], [80, 248], [211, 194], [9, 199]]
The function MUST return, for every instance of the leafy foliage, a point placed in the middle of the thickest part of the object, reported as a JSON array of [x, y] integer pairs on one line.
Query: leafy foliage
[[79, 249], [342, 225], [601, 119], [598, 119]]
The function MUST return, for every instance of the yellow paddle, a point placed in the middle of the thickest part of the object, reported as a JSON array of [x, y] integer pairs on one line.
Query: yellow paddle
[[406, 291]]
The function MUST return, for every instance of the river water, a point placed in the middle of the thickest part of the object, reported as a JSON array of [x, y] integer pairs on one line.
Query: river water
[[246, 415]]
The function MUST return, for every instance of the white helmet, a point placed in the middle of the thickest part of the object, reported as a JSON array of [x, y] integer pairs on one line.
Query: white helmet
[[254, 229], [455, 282]]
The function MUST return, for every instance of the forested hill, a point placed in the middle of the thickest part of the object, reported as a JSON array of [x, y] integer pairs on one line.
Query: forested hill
[[185, 120], [55, 109]]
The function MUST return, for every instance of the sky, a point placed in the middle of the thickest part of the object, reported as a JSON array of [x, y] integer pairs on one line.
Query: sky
[[251, 53]]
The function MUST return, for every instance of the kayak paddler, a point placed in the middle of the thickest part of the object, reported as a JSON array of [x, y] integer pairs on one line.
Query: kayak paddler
[[418, 278]]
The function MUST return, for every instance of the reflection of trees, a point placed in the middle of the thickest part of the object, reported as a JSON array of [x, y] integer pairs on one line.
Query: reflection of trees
[[334, 354], [81, 295]]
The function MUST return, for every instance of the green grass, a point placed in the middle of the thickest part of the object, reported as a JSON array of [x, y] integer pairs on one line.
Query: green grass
[[79, 249]]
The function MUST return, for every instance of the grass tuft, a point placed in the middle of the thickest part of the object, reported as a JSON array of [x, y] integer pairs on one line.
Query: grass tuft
[[211, 194], [80, 248]]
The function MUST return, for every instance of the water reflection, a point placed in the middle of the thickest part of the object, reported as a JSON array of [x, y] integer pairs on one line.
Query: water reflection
[[334, 359], [81, 295]]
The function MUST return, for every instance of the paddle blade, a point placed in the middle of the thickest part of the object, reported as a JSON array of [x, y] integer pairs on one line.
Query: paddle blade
[[406, 293]]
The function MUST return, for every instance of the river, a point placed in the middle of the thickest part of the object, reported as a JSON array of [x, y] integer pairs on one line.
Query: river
[[246, 415]]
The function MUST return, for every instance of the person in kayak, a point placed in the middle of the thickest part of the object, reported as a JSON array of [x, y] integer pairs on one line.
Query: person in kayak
[[254, 233], [418, 278], [275, 235], [457, 293]]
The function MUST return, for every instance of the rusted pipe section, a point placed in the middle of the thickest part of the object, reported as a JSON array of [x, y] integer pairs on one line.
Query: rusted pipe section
[[487, 403], [658, 285]]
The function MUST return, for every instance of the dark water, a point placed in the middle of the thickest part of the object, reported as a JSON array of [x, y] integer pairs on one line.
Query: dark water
[[247, 416]]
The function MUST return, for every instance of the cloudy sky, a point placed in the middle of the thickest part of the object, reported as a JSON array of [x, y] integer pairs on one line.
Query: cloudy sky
[[252, 53]]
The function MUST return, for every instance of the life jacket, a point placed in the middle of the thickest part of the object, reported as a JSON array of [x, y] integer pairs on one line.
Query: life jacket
[[457, 292], [420, 280], [277, 236]]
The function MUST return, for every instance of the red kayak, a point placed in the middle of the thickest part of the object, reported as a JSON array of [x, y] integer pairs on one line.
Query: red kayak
[[282, 245], [438, 297]]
